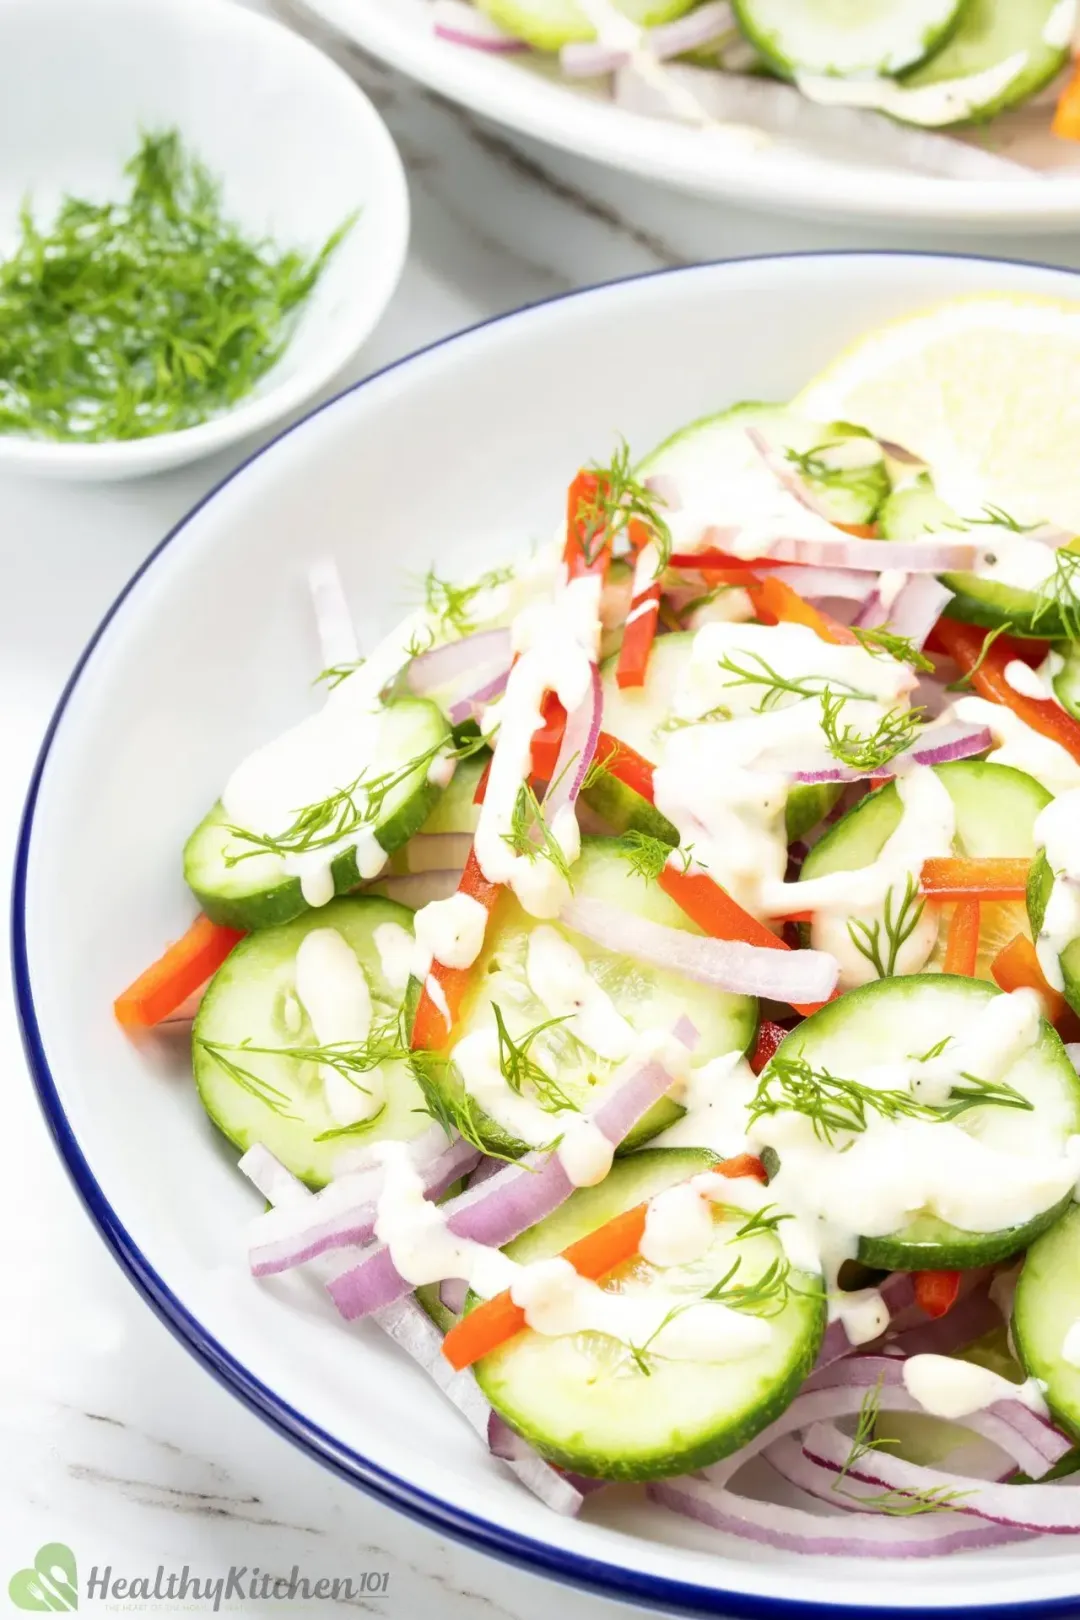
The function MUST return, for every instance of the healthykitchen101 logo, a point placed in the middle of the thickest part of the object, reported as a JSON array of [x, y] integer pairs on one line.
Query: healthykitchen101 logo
[[51, 1584]]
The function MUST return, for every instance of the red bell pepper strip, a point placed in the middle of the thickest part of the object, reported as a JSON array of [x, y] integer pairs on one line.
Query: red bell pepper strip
[[769, 1036], [498, 1319], [1016, 967], [966, 644], [936, 1291], [961, 877], [639, 632], [776, 603], [177, 974], [962, 945], [430, 1030]]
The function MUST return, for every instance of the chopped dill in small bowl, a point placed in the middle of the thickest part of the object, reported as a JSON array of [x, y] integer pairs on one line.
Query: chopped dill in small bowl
[[127, 319]]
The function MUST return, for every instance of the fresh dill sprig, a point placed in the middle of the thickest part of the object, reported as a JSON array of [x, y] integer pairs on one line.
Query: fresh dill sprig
[[334, 674], [899, 1503], [775, 686], [811, 464], [871, 750], [347, 809], [531, 836], [705, 599], [453, 604], [598, 770], [457, 1118], [719, 711], [834, 1105], [867, 937], [275, 1099], [350, 1059], [936, 1050], [1060, 596], [767, 1219], [881, 642], [965, 682], [618, 499], [765, 1296], [995, 517], [647, 855], [520, 1069], [125, 319]]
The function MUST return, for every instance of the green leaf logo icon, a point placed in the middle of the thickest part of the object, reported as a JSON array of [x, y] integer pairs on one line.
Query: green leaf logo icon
[[51, 1585]]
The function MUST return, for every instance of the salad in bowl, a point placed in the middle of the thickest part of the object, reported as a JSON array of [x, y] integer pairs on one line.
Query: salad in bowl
[[645, 985]]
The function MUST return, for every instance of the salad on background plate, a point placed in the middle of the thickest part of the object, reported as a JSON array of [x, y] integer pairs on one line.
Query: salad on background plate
[[872, 79], [647, 985]]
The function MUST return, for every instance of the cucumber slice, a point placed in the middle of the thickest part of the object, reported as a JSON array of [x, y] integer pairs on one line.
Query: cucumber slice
[[996, 807], [1040, 883], [918, 510], [637, 716], [1066, 682], [1046, 1306], [1000, 52], [648, 998], [583, 1403], [252, 998], [255, 892], [548, 25], [989, 34], [709, 456], [847, 36], [891, 1018]]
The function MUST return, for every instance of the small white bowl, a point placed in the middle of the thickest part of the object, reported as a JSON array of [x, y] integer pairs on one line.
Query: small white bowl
[[296, 145]]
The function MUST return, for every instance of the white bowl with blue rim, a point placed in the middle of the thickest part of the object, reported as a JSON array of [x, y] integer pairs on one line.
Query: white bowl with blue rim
[[296, 145], [145, 736]]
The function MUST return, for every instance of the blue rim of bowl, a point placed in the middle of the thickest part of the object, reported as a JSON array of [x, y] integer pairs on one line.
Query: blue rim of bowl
[[591, 1574]]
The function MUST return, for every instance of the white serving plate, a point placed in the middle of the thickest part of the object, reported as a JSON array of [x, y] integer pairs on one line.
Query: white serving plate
[[457, 452], [786, 177]]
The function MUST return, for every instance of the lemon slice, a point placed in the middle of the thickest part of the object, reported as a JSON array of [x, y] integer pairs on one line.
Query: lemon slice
[[985, 389]]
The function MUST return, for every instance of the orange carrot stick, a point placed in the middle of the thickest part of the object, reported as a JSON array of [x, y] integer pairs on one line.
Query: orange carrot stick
[[962, 946], [168, 982], [961, 877]]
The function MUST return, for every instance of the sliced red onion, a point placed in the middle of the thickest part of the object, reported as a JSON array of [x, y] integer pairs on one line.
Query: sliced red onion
[[462, 24], [337, 633], [666, 489], [576, 750], [469, 708], [343, 1214], [787, 1457], [707, 24], [938, 745], [509, 1447], [485, 1170], [930, 556], [795, 1530], [917, 608], [439, 666], [452, 1292], [968, 1320], [817, 583], [416, 889], [785, 475], [873, 613], [505, 1205], [1045, 1508], [409, 1326], [747, 970], [1034, 1443], [687, 1032], [897, 452]]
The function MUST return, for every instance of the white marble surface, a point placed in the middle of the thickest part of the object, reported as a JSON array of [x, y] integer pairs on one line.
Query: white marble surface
[[111, 1438]]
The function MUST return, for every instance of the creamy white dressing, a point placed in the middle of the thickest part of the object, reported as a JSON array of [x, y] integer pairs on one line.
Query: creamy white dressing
[[1020, 562], [1057, 830], [556, 1301], [557, 644], [1027, 681], [396, 949], [725, 783], [559, 978], [947, 102], [450, 932], [1016, 744], [333, 989], [1059, 26], [949, 1388]]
